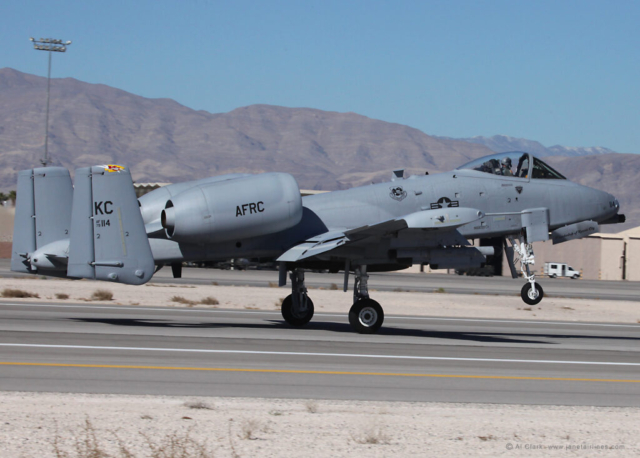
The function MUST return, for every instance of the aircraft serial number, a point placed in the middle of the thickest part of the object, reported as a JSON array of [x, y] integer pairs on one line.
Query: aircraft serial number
[[103, 223]]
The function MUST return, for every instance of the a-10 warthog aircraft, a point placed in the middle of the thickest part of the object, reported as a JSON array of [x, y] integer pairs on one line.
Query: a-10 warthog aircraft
[[98, 230]]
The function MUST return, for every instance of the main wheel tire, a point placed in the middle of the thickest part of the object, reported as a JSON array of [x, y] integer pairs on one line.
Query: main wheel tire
[[296, 319], [366, 316], [530, 297]]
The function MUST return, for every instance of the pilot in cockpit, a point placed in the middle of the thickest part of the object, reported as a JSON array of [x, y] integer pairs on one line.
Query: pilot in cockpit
[[505, 167]]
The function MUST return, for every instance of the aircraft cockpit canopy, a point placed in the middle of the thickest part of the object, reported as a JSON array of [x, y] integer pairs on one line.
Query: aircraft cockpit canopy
[[514, 164]]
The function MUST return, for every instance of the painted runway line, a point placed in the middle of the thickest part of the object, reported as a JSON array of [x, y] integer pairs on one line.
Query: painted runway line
[[312, 354], [292, 371]]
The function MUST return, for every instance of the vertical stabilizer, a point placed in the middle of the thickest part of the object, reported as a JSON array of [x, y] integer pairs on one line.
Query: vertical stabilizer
[[53, 192], [24, 224], [108, 238], [43, 213], [81, 255]]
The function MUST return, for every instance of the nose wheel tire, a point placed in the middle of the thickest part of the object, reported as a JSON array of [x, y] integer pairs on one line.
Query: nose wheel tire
[[530, 296], [293, 317], [366, 316]]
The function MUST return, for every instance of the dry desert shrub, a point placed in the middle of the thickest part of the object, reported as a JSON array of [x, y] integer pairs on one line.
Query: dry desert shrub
[[209, 301], [9, 292], [273, 284], [87, 444], [178, 446], [198, 405], [311, 406], [102, 295], [333, 287], [375, 435], [182, 300], [249, 429], [62, 296], [489, 437]]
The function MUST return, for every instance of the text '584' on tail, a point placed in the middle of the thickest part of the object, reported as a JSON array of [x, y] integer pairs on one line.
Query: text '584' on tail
[[108, 239]]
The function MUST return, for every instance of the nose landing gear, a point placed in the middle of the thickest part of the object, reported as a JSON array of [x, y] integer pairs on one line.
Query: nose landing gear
[[531, 293]]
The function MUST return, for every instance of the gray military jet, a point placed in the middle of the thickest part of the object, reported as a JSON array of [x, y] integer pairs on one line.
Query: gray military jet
[[99, 230]]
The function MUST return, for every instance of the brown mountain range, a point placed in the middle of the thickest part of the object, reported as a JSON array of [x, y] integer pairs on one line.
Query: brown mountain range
[[163, 141]]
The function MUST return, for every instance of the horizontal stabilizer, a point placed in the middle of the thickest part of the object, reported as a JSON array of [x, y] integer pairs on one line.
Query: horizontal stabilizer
[[155, 229]]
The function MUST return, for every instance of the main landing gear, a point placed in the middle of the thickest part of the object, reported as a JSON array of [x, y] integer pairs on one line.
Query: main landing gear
[[297, 308], [531, 293], [365, 316]]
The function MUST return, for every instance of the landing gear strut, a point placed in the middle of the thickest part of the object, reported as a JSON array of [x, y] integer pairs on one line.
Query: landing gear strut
[[366, 315], [531, 293], [297, 308]]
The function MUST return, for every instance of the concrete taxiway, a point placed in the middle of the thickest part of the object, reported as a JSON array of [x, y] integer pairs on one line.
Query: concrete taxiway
[[156, 350], [394, 281], [397, 281]]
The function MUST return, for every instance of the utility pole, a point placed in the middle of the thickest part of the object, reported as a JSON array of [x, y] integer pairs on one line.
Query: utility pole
[[50, 45]]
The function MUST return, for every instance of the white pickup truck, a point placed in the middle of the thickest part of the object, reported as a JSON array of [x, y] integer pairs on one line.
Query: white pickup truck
[[558, 269]]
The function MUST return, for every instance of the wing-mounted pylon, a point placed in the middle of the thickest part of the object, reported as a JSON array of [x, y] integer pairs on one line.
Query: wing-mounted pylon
[[574, 231], [442, 222]]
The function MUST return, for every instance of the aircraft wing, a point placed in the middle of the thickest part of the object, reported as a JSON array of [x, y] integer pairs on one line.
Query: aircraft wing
[[314, 246], [442, 222]]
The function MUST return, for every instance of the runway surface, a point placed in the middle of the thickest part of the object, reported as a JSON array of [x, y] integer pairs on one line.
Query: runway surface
[[506, 286], [143, 350]]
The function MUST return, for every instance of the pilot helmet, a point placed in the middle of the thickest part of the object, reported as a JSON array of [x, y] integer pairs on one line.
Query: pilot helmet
[[506, 162]]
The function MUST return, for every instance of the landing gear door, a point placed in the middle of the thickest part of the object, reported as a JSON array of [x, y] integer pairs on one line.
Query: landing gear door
[[536, 223]]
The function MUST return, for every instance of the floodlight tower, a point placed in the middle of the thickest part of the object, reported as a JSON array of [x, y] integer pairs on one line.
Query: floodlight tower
[[51, 45]]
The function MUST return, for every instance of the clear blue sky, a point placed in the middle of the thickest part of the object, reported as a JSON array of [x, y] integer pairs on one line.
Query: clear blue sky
[[560, 72]]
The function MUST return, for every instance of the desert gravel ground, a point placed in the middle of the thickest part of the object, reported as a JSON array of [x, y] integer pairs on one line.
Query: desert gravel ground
[[74, 425], [35, 424]]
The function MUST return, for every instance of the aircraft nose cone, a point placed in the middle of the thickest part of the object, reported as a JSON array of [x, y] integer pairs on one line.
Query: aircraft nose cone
[[613, 202], [609, 205]]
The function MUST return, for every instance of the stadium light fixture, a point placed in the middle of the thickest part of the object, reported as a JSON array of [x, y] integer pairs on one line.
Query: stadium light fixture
[[50, 45]]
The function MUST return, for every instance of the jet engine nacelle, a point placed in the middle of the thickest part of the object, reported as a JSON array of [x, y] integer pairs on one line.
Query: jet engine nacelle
[[233, 209]]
